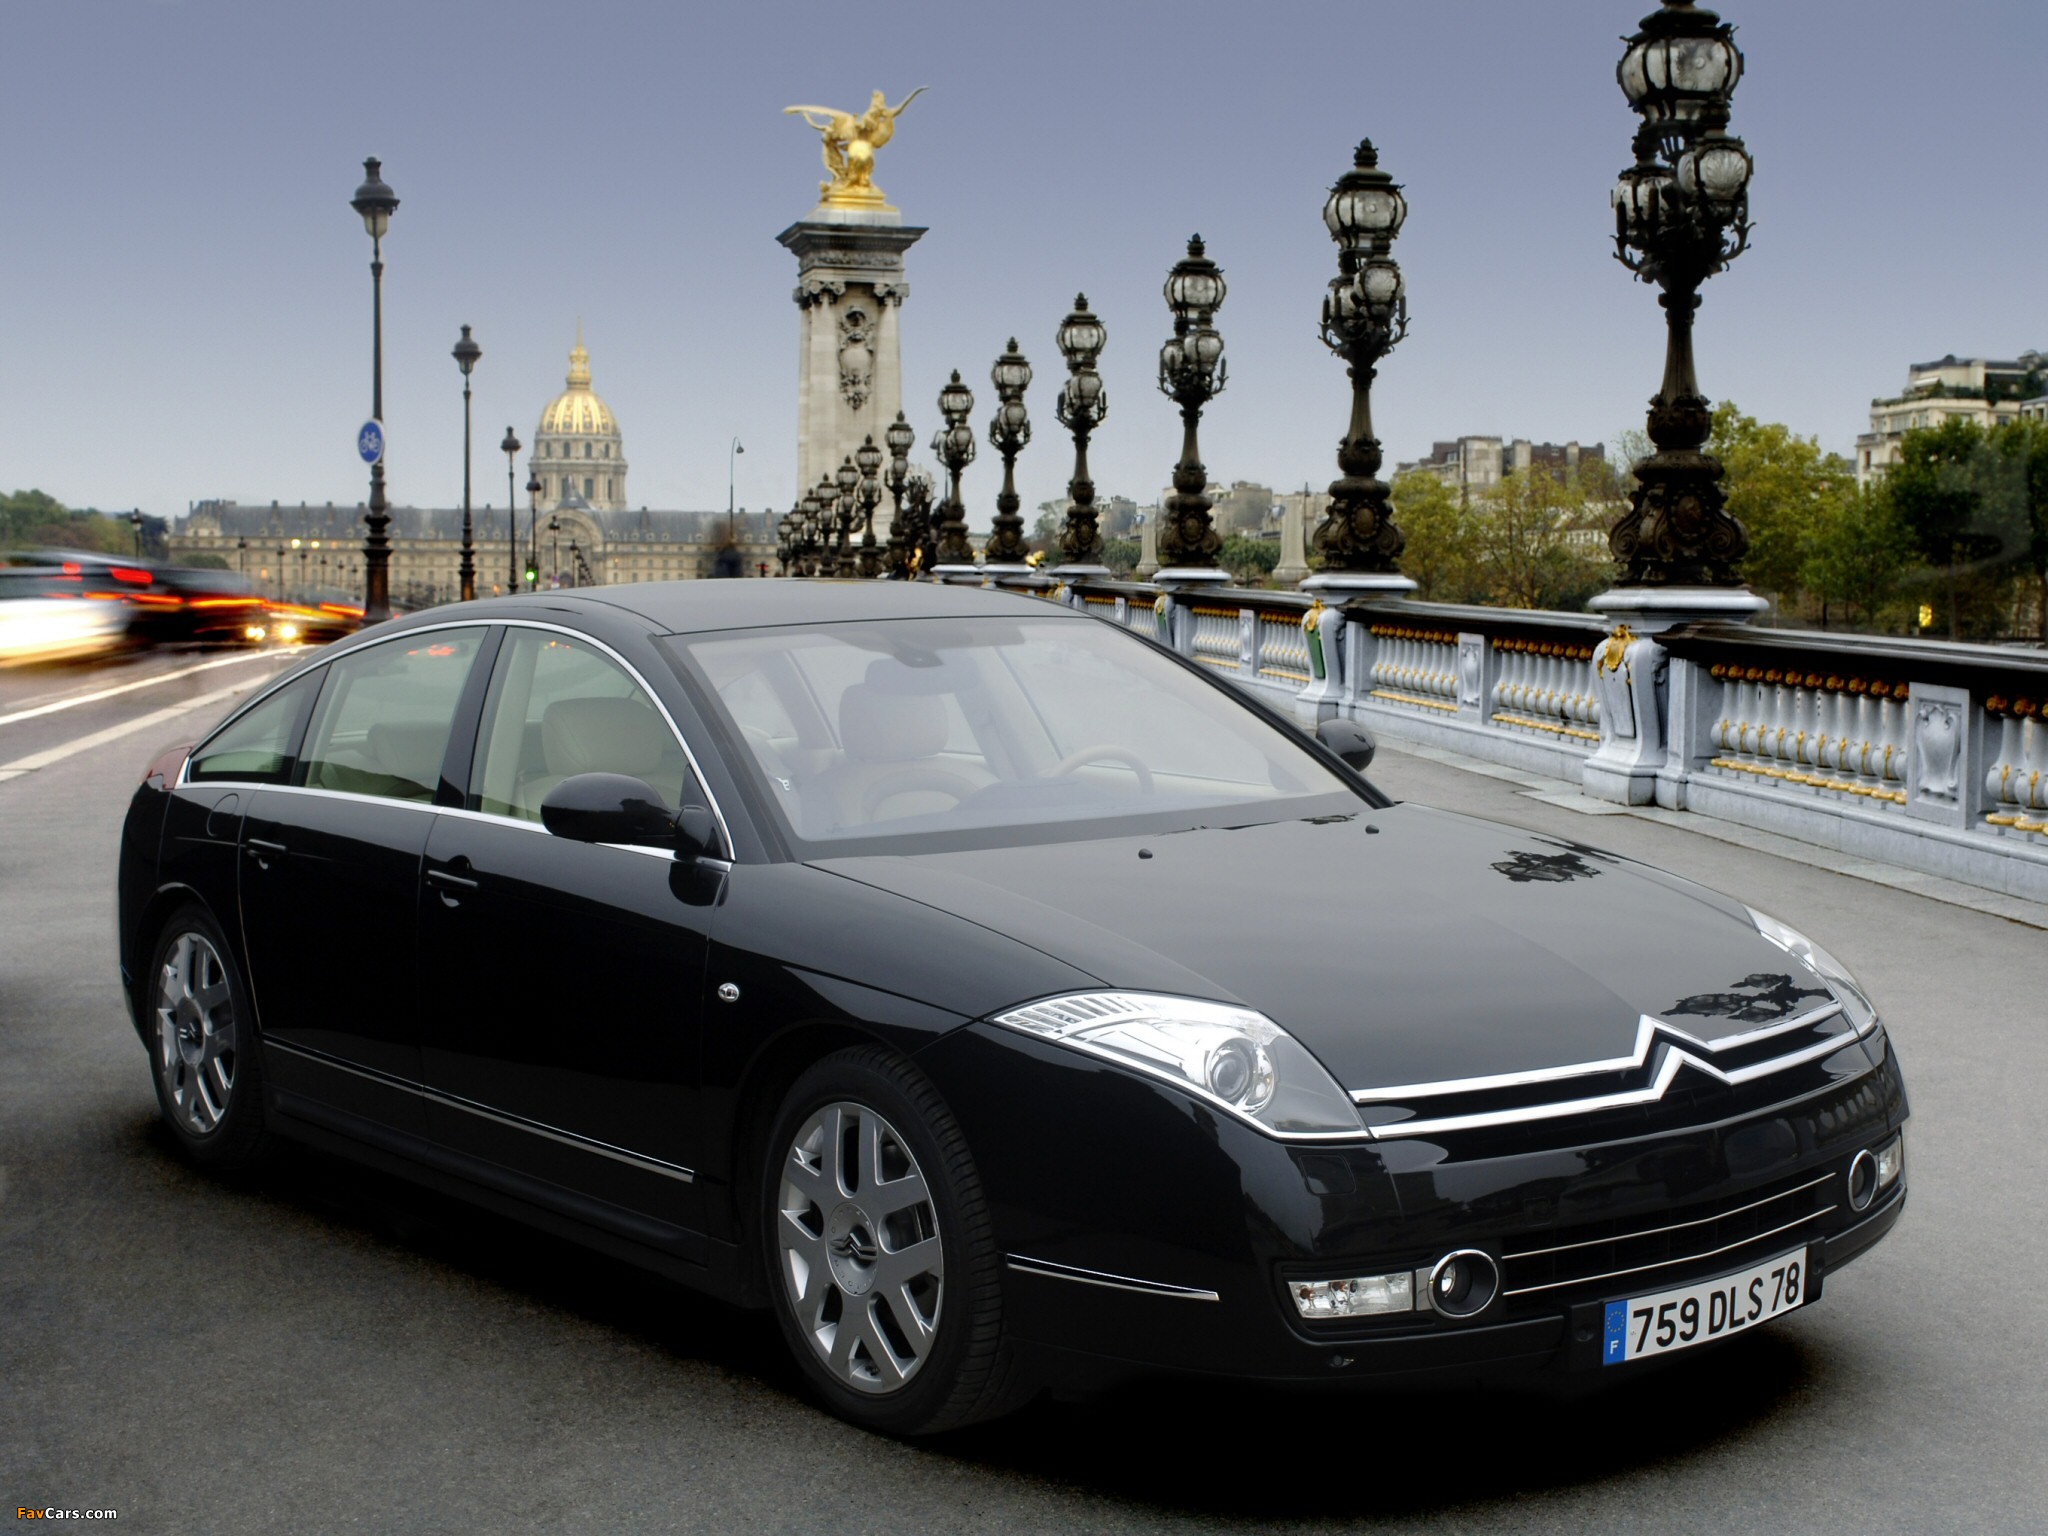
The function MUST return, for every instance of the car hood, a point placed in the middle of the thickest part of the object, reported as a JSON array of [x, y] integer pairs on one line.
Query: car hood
[[1405, 945]]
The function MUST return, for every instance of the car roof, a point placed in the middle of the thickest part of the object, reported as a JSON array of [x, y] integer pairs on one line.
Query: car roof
[[688, 606]]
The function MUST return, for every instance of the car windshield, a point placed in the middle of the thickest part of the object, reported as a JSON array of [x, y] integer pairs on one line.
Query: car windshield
[[900, 734]]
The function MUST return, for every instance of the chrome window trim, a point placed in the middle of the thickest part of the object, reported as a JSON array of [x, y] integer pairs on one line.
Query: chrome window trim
[[1677, 1226], [1667, 1070], [515, 1122], [696, 768], [1691, 1258], [327, 659], [1648, 1027], [1052, 1271]]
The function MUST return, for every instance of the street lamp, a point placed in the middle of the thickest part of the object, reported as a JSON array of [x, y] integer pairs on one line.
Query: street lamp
[[466, 354], [135, 521], [731, 453], [533, 531], [1365, 315], [785, 540], [1082, 404], [510, 447], [868, 459], [242, 556], [554, 551], [844, 507], [901, 439], [1009, 430], [575, 565], [375, 202], [1681, 214], [1191, 373], [953, 445]]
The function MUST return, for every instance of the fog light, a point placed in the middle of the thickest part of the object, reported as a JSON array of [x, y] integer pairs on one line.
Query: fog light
[[1464, 1283], [1360, 1296], [1891, 1161]]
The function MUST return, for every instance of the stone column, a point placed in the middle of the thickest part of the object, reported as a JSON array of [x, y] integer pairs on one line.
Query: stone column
[[849, 295]]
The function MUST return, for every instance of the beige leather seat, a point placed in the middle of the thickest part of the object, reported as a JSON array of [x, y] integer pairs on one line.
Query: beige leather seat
[[597, 736], [888, 736]]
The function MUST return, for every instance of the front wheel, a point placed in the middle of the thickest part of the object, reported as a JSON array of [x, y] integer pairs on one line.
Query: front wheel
[[208, 1083], [885, 1276]]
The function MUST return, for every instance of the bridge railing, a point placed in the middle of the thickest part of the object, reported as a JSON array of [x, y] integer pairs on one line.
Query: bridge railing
[[1926, 754]]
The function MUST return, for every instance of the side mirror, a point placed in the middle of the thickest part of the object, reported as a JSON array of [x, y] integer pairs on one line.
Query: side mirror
[[618, 808], [1349, 740]]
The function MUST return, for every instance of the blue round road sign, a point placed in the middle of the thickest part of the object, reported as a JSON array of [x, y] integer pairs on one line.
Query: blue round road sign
[[370, 441]]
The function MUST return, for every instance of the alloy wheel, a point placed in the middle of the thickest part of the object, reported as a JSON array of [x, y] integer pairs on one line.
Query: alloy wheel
[[195, 1033], [857, 1235]]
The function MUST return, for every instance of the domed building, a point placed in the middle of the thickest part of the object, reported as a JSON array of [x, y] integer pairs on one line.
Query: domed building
[[577, 450]]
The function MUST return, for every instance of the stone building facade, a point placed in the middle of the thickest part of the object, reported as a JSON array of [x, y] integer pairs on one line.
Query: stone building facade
[[1470, 464], [1987, 391]]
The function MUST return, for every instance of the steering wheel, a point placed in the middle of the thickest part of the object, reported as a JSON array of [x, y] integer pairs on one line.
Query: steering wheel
[[1102, 752], [906, 781]]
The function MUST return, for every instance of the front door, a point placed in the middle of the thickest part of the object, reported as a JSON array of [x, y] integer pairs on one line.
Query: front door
[[563, 998]]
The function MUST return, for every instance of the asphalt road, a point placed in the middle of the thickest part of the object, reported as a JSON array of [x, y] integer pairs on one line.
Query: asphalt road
[[325, 1350]]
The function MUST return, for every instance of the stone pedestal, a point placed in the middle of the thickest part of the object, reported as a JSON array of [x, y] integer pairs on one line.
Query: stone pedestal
[[849, 294], [1336, 586], [1639, 761], [1293, 565]]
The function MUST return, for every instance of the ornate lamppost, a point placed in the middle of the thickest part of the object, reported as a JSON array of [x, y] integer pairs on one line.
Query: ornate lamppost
[[1082, 405], [845, 507], [1365, 315], [375, 202], [1009, 431], [554, 552], [785, 541], [533, 490], [466, 354], [1681, 214], [953, 445], [242, 555], [901, 439], [920, 536], [868, 459], [510, 448], [1191, 373]]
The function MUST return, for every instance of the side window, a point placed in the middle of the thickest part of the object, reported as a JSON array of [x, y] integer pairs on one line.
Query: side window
[[558, 706], [253, 745], [383, 723]]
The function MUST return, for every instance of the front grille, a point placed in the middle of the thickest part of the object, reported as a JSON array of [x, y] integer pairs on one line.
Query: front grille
[[1575, 1263]]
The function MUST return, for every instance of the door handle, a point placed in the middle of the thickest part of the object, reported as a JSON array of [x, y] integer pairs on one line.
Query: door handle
[[444, 877], [263, 852]]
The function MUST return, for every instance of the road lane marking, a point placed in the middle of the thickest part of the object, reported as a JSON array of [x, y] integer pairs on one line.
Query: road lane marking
[[145, 682], [57, 754]]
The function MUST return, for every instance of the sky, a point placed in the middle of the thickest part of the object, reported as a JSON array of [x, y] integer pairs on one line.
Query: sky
[[187, 294]]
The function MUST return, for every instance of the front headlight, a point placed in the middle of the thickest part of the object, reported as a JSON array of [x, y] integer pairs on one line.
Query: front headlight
[[1234, 1058], [1855, 1005]]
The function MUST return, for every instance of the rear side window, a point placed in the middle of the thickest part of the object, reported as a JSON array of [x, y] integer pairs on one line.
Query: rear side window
[[385, 716], [256, 746]]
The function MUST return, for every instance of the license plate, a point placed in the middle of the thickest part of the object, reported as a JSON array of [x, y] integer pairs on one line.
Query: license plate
[[1711, 1309]]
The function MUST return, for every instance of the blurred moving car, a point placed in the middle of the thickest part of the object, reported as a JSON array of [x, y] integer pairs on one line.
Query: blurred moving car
[[43, 619], [315, 621], [148, 603]]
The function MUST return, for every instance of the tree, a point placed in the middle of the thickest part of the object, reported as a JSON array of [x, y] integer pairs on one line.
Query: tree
[[1121, 556], [1783, 489], [1973, 501], [1251, 561], [1439, 557], [36, 518], [1861, 556], [1539, 542]]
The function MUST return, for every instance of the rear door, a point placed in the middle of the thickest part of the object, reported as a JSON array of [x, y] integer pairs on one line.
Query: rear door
[[330, 873]]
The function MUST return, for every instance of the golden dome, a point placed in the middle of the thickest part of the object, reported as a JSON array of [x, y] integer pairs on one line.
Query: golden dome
[[578, 409]]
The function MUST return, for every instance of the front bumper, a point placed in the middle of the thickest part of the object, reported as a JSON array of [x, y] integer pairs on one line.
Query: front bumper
[[1145, 1233]]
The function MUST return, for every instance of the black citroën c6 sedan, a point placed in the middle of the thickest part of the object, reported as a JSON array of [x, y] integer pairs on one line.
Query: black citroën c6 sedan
[[996, 997]]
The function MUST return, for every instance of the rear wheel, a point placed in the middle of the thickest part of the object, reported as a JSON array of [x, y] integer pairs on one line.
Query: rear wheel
[[208, 1082], [884, 1273]]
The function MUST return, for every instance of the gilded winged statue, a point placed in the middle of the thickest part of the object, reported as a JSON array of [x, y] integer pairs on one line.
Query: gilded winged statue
[[850, 145]]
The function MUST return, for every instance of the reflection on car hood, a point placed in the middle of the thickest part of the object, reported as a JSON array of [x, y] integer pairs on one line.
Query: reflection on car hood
[[1404, 945]]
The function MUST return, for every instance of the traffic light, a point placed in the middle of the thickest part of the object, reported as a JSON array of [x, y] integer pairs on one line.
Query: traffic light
[[532, 573]]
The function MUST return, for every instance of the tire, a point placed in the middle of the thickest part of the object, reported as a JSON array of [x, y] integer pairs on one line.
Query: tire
[[202, 1046], [881, 1259]]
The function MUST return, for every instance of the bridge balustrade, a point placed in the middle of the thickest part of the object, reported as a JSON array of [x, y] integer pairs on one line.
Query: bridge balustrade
[[1926, 754]]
